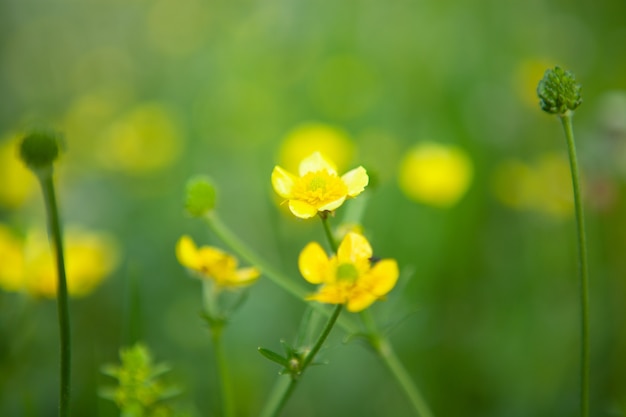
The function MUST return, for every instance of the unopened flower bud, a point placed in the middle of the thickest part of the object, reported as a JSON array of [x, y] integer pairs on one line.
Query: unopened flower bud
[[558, 91]]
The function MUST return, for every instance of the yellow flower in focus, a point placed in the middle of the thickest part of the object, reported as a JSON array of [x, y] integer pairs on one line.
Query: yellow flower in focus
[[18, 182], [212, 263], [349, 277], [145, 140], [435, 174], [311, 137], [89, 258], [318, 188]]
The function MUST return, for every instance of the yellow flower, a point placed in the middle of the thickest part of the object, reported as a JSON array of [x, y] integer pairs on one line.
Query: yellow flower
[[29, 265], [145, 140], [318, 188], [18, 182], [348, 277], [543, 186], [212, 263], [435, 174]]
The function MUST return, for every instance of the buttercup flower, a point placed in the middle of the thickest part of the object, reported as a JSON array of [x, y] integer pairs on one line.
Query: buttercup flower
[[28, 264], [435, 174], [349, 277], [318, 188], [214, 264]]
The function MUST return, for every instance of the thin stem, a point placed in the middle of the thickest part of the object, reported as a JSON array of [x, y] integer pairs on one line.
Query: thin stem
[[566, 121], [54, 224], [329, 234], [228, 405], [308, 359], [386, 353]]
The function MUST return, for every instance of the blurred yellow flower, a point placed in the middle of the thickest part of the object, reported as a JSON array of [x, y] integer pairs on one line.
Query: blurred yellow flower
[[544, 186], [307, 138], [18, 182], [29, 265], [349, 277], [213, 264], [145, 140], [435, 174], [318, 188]]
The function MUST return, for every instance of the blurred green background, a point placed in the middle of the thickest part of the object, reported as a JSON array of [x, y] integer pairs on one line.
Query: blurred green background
[[151, 92]]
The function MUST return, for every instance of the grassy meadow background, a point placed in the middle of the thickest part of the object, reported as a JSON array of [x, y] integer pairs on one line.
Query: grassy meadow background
[[151, 92]]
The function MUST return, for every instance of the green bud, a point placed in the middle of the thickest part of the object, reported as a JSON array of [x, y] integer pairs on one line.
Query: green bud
[[558, 92], [39, 149], [200, 196]]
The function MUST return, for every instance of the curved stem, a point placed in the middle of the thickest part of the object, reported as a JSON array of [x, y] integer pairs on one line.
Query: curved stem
[[329, 234], [383, 347], [566, 121], [286, 392], [54, 224]]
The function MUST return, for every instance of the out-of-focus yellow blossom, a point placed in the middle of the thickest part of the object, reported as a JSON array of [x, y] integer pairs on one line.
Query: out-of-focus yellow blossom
[[145, 140], [213, 264], [11, 260], [17, 182], [349, 277], [318, 188], [307, 138], [29, 265], [544, 186], [435, 174]]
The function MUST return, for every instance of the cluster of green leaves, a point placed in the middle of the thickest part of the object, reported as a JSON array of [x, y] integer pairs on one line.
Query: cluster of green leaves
[[140, 392]]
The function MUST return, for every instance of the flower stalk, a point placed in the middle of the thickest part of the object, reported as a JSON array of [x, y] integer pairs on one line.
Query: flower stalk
[[559, 94], [282, 396], [39, 150], [566, 121]]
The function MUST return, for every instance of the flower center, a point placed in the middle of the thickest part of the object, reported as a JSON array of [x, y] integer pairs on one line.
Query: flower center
[[319, 188], [347, 272]]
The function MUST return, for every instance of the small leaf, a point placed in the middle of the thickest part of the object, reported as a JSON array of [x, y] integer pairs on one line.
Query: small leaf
[[274, 357]]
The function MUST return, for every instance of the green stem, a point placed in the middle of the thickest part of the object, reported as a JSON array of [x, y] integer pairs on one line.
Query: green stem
[[228, 405], [566, 121], [229, 238], [286, 392], [329, 234], [383, 347], [54, 224]]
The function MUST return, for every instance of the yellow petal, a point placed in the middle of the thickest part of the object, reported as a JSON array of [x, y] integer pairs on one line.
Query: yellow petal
[[282, 181], [245, 276], [313, 263], [315, 162], [330, 294], [360, 301], [333, 205], [187, 253], [382, 277], [302, 209], [356, 180], [354, 248]]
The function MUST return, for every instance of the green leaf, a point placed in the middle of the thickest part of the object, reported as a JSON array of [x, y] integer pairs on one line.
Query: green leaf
[[274, 357]]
